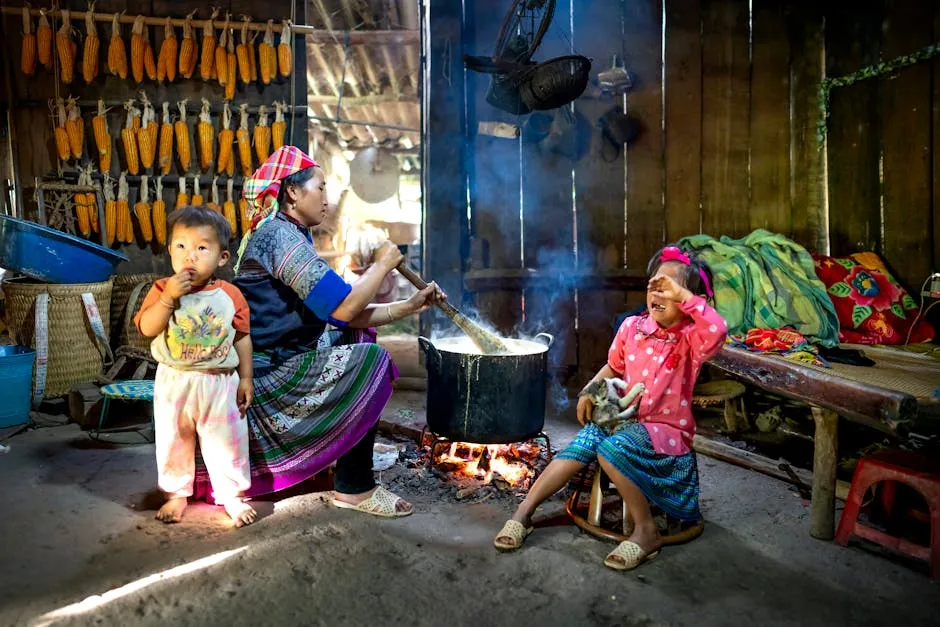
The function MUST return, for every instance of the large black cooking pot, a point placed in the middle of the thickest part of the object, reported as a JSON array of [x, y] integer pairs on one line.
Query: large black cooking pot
[[486, 399]]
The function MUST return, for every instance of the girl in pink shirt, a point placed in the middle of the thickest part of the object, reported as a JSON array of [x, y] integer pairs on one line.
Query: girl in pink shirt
[[649, 460]]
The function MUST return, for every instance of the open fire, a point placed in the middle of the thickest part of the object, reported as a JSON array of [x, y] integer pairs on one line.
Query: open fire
[[507, 466]]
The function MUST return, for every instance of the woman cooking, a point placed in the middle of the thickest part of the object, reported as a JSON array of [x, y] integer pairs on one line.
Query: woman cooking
[[318, 393]]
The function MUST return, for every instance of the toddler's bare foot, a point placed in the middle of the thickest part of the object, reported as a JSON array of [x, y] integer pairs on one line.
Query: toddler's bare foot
[[172, 510], [240, 512]]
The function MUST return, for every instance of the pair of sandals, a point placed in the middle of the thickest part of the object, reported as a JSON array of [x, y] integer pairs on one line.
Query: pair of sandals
[[627, 556]]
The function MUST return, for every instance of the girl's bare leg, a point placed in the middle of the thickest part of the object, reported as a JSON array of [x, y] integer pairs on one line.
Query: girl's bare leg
[[645, 532], [553, 478]]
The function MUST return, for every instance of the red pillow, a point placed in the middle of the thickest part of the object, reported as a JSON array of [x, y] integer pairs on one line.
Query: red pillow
[[872, 307]]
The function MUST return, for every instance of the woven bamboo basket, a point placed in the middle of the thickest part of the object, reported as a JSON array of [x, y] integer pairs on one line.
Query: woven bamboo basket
[[123, 332], [74, 353]]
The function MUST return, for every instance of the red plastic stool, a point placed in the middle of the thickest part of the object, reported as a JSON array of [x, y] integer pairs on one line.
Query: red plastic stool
[[912, 469]]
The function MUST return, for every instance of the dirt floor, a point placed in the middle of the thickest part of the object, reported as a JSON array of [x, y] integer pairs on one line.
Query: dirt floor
[[80, 546]]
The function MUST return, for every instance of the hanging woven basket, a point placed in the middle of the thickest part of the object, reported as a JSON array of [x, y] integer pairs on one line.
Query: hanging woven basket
[[554, 83], [126, 298]]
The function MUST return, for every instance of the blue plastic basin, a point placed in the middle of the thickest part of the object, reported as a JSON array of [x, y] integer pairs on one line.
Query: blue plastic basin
[[52, 256], [16, 384]]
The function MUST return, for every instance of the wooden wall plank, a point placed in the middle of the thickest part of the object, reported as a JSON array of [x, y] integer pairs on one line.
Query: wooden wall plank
[[853, 39], [683, 139], [600, 194], [645, 217], [935, 137], [770, 120], [725, 114], [906, 98], [805, 29]]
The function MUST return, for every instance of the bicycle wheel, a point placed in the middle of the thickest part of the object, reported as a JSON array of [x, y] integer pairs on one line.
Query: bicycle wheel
[[518, 35]]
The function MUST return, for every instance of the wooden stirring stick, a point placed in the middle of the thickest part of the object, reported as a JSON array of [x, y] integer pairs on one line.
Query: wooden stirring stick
[[487, 342]]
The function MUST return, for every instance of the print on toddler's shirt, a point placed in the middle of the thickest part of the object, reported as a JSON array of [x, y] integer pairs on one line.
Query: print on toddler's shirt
[[198, 336]]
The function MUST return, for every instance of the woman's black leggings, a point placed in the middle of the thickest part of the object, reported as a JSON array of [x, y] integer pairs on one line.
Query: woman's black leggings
[[354, 469]]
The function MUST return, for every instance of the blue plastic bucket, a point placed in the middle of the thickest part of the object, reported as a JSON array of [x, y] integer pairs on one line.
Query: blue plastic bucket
[[16, 384]]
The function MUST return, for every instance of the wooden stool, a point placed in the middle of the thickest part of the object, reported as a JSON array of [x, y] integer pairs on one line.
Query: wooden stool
[[728, 393], [141, 390], [675, 532], [888, 467]]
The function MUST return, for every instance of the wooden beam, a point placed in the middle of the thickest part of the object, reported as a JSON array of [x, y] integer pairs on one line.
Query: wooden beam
[[825, 458], [528, 278]]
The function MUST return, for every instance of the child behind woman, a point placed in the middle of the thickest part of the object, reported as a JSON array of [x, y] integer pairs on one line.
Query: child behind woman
[[204, 378], [651, 459]]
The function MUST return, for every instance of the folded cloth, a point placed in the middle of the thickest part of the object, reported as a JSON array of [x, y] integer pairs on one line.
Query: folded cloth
[[785, 342]]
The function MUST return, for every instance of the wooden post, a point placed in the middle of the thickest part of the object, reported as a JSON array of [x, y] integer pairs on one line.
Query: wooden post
[[825, 456]]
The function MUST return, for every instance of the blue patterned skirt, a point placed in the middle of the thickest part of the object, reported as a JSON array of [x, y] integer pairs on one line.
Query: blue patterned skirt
[[670, 482]]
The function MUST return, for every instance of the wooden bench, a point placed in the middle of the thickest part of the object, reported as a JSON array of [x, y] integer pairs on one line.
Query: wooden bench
[[892, 396]]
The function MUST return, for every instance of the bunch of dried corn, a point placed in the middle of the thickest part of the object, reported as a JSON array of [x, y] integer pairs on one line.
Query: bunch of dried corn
[[117, 52], [166, 60], [166, 141], [207, 59], [214, 203], [226, 162], [28, 47], [147, 134], [285, 55], [262, 135], [66, 48], [280, 125], [125, 228], [110, 211], [129, 138], [99, 125], [158, 214], [82, 207], [91, 199], [243, 214], [241, 52], [221, 60], [197, 198], [228, 208], [44, 40], [181, 198], [244, 141], [137, 49], [252, 54], [75, 128], [267, 58], [205, 136], [150, 65], [92, 46], [182, 137], [187, 56], [61, 136], [231, 62], [142, 211]]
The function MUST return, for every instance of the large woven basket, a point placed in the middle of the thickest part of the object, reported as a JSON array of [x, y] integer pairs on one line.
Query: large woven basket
[[74, 353], [122, 330]]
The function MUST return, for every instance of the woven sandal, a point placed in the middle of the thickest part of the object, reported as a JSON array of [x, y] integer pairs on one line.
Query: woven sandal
[[631, 555], [514, 530], [380, 503]]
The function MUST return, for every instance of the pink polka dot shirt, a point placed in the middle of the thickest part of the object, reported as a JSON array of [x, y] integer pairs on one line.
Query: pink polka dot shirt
[[668, 361]]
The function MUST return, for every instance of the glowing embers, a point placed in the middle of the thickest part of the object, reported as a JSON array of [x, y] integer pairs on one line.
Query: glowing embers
[[507, 467]]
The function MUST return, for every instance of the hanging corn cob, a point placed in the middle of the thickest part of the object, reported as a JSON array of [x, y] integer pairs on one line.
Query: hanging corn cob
[[197, 198], [226, 162], [266, 55], [205, 136], [44, 40], [187, 55], [28, 47], [285, 54], [137, 49], [99, 125], [166, 60], [231, 63], [243, 214], [110, 211], [182, 137], [129, 139], [150, 66], [147, 135], [123, 212], [252, 56], [117, 52], [181, 198], [81, 205], [262, 135], [166, 141], [92, 46], [221, 60], [279, 128], [92, 199], [158, 214], [207, 59], [142, 211], [241, 51], [75, 128], [244, 142], [228, 208], [66, 48], [61, 135], [214, 203]]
